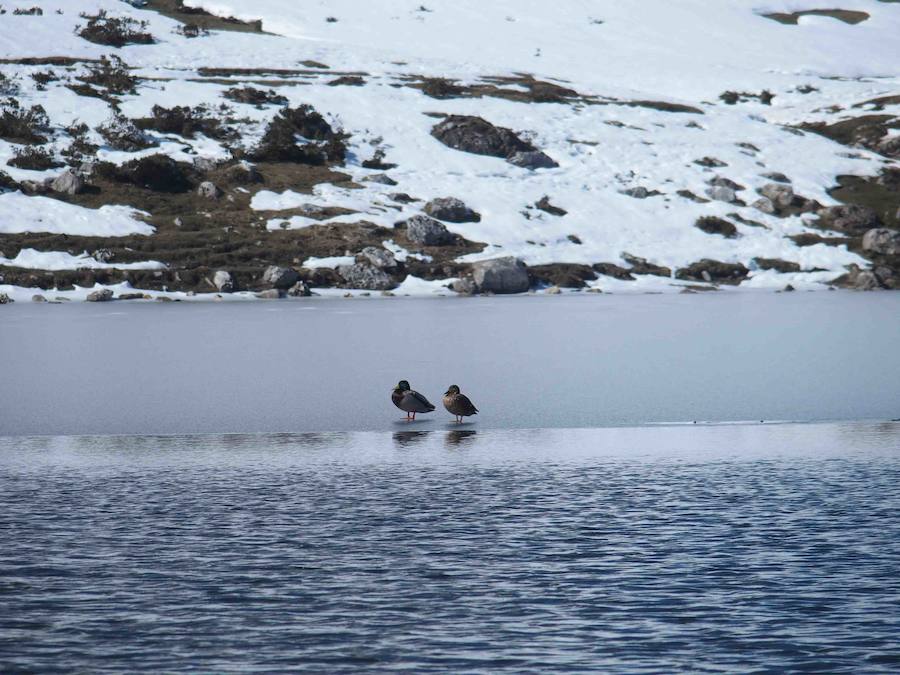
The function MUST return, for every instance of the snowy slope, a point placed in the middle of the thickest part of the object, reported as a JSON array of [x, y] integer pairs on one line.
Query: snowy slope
[[687, 52]]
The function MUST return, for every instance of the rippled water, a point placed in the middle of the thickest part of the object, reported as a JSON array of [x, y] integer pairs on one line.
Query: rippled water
[[735, 548]]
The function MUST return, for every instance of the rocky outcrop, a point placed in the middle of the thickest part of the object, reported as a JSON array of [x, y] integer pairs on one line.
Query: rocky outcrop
[[300, 290], [280, 277], [103, 295], [5, 299], [427, 231], [713, 271], [852, 219], [781, 196], [478, 136], [777, 264], [881, 241], [714, 225], [565, 275], [500, 275], [612, 270], [451, 210], [366, 276], [377, 257], [879, 277], [643, 266]]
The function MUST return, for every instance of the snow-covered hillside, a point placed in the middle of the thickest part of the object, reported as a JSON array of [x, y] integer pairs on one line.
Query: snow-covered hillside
[[646, 146]]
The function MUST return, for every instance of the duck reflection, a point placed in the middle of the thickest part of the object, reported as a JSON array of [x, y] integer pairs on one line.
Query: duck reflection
[[406, 439], [459, 438]]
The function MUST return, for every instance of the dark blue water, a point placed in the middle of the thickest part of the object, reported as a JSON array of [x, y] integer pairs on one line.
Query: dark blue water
[[734, 548]]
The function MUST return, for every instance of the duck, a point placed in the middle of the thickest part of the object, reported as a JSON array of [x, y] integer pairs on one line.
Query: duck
[[458, 404], [411, 402]]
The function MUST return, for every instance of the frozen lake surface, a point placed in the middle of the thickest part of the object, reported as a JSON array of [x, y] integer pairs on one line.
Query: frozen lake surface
[[527, 362], [733, 548]]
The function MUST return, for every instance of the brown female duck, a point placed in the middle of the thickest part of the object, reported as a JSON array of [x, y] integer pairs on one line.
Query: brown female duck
[[458, 404]]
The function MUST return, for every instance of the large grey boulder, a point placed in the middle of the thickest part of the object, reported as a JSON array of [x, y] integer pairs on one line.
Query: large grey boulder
[[451, 210], [363, 275], [223, 281], [280, 277], [103, 295], [427, 231], [532, 159], [781, 196], [882, 240], [500, 275], [377, 257], [68, 183], [852, 219]]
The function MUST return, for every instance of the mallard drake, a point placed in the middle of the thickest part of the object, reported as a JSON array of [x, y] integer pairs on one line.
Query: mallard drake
[[458, 404], [411, 402]]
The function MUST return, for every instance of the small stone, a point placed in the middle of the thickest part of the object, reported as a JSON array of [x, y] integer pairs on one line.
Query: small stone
[[381, 179], [636, 192], [532, 159], [463, 286], [130, 296], [103, 295], [5, 299], [777, 177], [271, 294], [208, 190], [788, 288], [388, 294], [178, 222], [38, 298], [553, 290], [163, 298], [102, 255], [594, 289]]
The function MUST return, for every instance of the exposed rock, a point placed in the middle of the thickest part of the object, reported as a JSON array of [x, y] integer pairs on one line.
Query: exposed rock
[[103, 295], [5, 299], [544, 205], [554, 290], [636, 192], [131, 296], [500, 275], [714, 225], [532, 159], [452, 210], [68, 183], [280, 277], [721, 194], [567, 275], [781, 196], [687, 194], [270, 294], [710, 162], [721, 181], [208, 190], [223, 281], [377, 257], [102, 255], [851, 219], [381, 179], [464, 286], [765, 205], [862, 280], [428, 232], [777, 264], [300, 290], [613, 270], [38, 298], [776, 176], [402, 198], [713, 271], [478, 136], [243, 173], [642, 266], [882, 241], [363, 275]]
